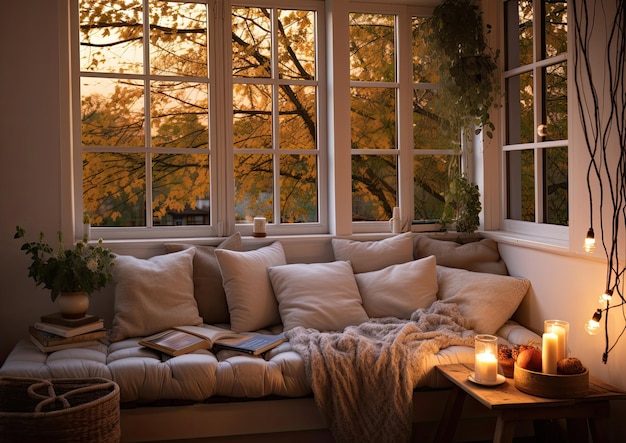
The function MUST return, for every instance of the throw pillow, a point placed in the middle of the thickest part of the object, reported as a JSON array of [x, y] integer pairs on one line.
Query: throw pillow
[[207, 279], [486, 301], [249, 293], [153, 294], [322, 296], [367, 256], [479, 256], [398, 290]]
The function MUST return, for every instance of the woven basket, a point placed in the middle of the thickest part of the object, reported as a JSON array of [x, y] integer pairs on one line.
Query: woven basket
[[59, 410]]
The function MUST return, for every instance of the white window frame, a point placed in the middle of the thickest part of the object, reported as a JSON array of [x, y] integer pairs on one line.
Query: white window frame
[[548, 233]]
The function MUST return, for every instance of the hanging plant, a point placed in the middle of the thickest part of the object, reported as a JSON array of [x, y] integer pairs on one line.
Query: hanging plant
[[467, 67]]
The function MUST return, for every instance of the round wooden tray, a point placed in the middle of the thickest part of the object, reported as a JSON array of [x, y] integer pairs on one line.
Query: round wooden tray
[[551, 385]]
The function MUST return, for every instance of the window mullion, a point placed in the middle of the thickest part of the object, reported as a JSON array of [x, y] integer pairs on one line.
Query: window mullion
[[147, 113]]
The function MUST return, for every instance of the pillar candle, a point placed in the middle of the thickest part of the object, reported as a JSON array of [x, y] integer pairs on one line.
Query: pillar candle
[[258, 227], [561, 335], [549, 353], [486, 367]]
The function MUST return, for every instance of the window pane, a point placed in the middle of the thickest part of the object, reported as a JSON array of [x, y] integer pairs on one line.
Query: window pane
[[178, 41], [252, 116], [179, 115], [519, 33], [519, 106], [251, 45], [112, 112], [114, 188], [296, 44], [373, 118], [374, 187], [555, 28], [298, 189], [521, 184], [372, 47], [111, 36], [426, 122], [556, 101], [431, 181], [556, 199], [180, 189], [424, 69], [253, 187], [297, 117]]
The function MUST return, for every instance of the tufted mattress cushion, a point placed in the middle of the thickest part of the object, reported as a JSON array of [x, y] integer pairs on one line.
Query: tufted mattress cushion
[[144, 376]]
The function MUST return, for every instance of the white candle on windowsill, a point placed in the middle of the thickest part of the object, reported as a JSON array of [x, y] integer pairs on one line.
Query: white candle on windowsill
[[486, 367], [549, 353]]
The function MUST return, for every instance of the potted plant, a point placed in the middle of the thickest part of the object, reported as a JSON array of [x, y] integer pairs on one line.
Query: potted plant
[[72, 275], [462, 205], [467, 67]]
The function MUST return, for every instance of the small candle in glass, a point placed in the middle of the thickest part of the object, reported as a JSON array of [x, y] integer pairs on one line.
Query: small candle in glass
[[486, 358]]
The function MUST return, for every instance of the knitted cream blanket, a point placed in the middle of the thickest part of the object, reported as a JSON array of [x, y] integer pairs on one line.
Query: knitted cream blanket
[[363, 378]]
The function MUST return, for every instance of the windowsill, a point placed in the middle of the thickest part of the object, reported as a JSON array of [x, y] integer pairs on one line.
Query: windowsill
[[545, 244]]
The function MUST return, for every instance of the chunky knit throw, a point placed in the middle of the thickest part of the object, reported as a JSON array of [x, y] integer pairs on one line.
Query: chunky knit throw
[[363, 378]]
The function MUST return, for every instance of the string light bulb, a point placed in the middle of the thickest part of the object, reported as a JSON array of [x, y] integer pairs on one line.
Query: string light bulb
[[590, 241], [592, 326], [606, 297]]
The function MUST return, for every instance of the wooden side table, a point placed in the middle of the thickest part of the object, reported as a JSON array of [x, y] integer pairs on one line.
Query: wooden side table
[[512, 405]]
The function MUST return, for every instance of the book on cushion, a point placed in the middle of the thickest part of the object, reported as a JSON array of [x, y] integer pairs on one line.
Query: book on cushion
[[52, 348], [49, 339], [185, 339], [57, 318], [68, 331]]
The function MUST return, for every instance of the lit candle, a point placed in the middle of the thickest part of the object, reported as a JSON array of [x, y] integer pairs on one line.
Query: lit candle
[[561, 335], [549, 353], [486, 367]]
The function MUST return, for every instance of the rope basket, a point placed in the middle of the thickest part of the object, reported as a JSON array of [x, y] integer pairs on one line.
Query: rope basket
[[59, 410]]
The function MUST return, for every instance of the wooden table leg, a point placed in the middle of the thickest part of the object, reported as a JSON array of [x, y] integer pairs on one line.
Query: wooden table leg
[[504, 430], [451, 416]]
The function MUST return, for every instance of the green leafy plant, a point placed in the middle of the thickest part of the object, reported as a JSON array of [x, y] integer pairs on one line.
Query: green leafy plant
[[462, 205], [467, 67], [84, 268]]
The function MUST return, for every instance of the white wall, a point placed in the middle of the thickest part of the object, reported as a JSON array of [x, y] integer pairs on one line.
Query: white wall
[[564, 286]]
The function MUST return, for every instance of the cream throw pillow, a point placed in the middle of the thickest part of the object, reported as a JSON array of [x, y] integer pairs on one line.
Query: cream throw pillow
[[207, 279], [487, 301], [478, 256], [367, 256], [251, 301], [153, 294], [322, 296], [398, 290]]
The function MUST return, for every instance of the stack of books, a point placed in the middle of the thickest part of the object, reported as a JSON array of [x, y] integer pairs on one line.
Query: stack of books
[[55, 332]]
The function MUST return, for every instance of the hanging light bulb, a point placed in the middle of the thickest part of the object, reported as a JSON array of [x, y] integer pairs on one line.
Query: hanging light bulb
[[592, 326], [606, 297], [590, 241]]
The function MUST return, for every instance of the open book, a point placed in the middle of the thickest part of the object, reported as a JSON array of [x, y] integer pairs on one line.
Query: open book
[[185, 339]]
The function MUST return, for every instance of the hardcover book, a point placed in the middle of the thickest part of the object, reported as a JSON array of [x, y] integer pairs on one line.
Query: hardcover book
[[67, 331], [57, 318], [185, 339], [53, 348], [49, 339]]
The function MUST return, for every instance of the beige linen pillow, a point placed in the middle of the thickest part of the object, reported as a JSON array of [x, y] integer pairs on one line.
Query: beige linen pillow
[[478, 256], [207, 279], [367, 256], [249, 293], [153, 294], [398, 290], [322, 296], [487, 301]]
